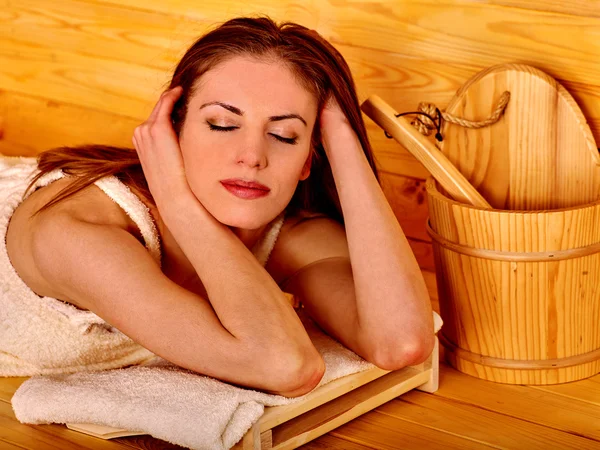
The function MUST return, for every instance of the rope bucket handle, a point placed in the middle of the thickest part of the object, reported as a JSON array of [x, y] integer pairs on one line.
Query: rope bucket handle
[[427, 122], [431, 119]]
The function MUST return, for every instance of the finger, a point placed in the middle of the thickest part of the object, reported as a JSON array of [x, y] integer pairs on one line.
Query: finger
[[332, 104], [168, 101], [154, 114]]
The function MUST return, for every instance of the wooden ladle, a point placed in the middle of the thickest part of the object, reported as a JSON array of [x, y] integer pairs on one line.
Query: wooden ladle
[[449, 177]]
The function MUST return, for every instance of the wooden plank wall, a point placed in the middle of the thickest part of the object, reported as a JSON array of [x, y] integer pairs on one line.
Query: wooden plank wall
[[81, 71]]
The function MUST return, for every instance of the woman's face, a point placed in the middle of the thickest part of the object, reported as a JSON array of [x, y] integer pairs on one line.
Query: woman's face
[[248, 120]]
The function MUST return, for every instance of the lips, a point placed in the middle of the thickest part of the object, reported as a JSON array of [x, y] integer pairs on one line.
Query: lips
[[245, 184], [247, 190]]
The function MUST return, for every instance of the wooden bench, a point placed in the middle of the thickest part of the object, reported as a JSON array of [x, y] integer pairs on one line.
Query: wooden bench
[[326, 408]]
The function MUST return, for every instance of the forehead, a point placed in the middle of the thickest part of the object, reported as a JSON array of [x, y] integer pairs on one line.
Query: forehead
[[256, 85]]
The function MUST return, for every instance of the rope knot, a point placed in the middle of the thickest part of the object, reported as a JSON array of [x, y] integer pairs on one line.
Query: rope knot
[[429, 117]]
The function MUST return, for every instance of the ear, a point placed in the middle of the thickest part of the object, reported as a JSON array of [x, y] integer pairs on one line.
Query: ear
[[306, 169]]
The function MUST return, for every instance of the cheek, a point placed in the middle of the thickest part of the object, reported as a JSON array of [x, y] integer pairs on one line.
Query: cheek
[[196, 148], [290, 172]]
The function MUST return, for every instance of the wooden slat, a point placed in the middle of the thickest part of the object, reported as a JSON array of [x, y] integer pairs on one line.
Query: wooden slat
[[105, 31], [585, 8], [473, 32], [215, 11], [8, 387], [332, 442], [522, 402], [111, 86], [8, 446], [34, 124], [587, 390], [46, 437], [384, 432], [430, 281], [347, 407], [481, 425], [279, 414], [115, 32]]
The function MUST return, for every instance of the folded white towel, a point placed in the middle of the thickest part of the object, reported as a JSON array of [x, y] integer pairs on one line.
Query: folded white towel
[[167, 401]]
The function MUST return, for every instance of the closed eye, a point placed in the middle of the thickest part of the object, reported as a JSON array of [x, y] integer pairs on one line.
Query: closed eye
[[292, 141], [217, 128]]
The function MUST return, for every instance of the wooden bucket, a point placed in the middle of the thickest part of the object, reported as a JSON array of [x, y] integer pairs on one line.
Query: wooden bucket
[[519, 291]]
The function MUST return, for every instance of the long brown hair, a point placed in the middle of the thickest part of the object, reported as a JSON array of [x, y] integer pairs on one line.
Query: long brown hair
[[316, 64]]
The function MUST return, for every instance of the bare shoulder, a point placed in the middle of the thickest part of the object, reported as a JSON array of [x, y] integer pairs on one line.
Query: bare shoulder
[[90, 205], [305, 239]]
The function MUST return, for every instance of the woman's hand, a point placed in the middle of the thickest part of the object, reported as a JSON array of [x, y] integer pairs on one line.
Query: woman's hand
[[337, 134], [158, 148]]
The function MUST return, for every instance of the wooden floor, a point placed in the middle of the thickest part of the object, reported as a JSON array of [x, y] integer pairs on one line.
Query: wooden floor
[[465, 412]]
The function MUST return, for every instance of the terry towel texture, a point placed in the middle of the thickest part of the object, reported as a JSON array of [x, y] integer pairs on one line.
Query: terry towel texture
[[167, 401], [43, 335]]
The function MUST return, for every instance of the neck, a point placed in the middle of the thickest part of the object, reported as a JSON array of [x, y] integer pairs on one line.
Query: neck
[[248, 237]]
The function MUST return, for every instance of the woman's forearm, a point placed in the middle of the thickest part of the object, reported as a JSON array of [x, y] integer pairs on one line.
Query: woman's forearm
[[245, 297], [390, 290]]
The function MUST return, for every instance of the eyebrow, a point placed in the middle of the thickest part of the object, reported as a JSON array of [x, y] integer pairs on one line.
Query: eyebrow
[[239, 112]]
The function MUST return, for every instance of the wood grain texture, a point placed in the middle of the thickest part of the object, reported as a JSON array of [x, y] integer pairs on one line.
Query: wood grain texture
[[332, 442], [349, 406], [523, 312], [587, 391], [540, 154], [46, 437], [585, 8], [525, 403], [479, 424], [383, 432], [34, 124]]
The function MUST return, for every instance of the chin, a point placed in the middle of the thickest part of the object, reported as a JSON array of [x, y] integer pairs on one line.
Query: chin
[[251, 217]]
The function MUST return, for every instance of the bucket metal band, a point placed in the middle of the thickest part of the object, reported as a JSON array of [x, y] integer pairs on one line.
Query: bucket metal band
[[500, 255], [502, 363]]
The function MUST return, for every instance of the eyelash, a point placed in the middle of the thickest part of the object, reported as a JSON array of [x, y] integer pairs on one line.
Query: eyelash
[[291, 141]]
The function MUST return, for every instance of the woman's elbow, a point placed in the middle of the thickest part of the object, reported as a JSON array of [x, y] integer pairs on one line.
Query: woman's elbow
[[395, 356], [300, 377]]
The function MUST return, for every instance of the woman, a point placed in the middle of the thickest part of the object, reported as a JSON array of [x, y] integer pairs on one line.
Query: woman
[[260, 123]]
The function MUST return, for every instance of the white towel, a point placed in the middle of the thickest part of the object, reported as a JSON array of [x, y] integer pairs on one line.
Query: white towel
[[167, 401], [44, 335]]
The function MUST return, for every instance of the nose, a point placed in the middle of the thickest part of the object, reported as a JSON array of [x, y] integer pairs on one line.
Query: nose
[[254, 153]]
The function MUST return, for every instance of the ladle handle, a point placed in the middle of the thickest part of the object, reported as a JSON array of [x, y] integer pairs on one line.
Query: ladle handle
[[426, 152]]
